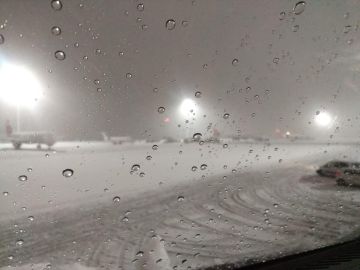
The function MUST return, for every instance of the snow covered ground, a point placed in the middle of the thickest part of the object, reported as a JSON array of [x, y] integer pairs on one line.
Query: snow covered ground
[[249, 202]]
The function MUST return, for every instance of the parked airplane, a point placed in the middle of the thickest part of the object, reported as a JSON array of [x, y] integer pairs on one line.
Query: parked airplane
[[117, 139]]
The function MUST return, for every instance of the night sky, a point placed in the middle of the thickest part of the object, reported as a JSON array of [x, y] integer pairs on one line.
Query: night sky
[[288, 66]]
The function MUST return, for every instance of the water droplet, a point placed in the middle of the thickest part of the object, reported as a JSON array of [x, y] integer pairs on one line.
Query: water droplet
[[170, 24], [128, 75], [60, 55], [19, 242], [197, 136], [56, 5], [225, 145], [282, 15], [184, 23], [10, 257], [31, 218], [142, 174], [140, 253], [29, 169], [295, 28], [235, 62], [161, 109], [198, 94], [275, 205], [5, 193], [116, 199], [203, 167], [68, 172], [97, 51], [2, 39], [155, 147], [56, 30], [148, 157], [193, 168], [347, 29], [226, 116], [22, 178], [299, 7], [180, 198], [125, 219], [135, 167], [276, 60], [140, 7]]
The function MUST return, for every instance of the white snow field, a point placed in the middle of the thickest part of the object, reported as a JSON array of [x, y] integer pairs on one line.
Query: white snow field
[[249, 202]]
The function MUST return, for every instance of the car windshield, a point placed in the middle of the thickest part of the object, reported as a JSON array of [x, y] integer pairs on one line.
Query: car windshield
[[176, 134]]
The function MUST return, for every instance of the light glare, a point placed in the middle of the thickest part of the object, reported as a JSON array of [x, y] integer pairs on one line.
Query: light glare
[[188, 107], [19, 86], [323, 119]]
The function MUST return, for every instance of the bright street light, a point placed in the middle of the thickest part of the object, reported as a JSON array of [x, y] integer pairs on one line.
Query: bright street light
[[19, 87], [323, 119], [188, 107]]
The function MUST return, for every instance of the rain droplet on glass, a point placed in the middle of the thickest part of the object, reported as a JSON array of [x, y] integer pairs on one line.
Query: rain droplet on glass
[[22, 178], [116, 199], [56, 4], [184, 23], [68, 172], [198, 94], [135, 167], [170, 24], [140, 7], [56, 30], [60, 55], [299, 7], [203, 167], [295, 28], [197, 136], [2, 39]]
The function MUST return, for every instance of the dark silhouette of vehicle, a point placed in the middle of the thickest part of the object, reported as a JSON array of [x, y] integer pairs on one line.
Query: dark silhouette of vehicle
[[30, 137]]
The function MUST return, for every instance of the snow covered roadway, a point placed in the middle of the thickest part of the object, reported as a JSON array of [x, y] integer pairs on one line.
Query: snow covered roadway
[[251, 202]]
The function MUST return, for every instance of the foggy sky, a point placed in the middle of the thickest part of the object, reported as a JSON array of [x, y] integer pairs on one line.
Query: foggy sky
[[282, 78]]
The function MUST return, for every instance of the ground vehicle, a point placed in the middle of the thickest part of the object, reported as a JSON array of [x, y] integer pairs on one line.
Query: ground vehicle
[[349, 176], [177, 68], [38, 138], [333, 168]]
